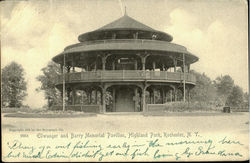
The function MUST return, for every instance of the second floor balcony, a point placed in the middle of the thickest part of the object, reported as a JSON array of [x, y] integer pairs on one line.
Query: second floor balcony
[[126, 75]]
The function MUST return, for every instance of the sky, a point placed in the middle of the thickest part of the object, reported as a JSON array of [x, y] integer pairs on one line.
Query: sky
[[33, 32]]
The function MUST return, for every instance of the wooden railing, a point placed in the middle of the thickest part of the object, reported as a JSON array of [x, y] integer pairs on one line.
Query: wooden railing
[[140, 41], [121, 75]]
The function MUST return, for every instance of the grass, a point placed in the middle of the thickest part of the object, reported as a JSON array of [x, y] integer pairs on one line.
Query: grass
[[53, 115], [22, 109], [42, 113]]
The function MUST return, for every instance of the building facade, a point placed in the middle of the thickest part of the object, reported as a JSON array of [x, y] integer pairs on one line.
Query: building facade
[[122, 67]]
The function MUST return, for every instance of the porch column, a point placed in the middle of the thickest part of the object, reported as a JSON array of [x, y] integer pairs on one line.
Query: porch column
[[96, 96], [95, 66], [113, 65], [73, 65], [68, 96], [144, 99], [163, 95], [61, 68], [103, 99], [143, 60], [153, 95], [171, 95], [113, 97], [175, 94], [188, 68], [175, 63], [184, 78], [143, 64], [90, 96], [163, 66], [73, 96], [188, 94], [82, 96], [103, 63], [88, 93], [104, 57], [153, 65], [135, 64], [136, 99], [150, 96]]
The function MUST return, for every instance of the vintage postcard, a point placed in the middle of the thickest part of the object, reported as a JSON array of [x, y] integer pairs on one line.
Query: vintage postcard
[[124, 80]]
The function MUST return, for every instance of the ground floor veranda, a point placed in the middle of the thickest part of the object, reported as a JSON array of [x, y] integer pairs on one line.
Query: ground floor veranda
[[121, 97]]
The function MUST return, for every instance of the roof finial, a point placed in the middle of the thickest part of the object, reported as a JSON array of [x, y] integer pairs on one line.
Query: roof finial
[[125, 11]]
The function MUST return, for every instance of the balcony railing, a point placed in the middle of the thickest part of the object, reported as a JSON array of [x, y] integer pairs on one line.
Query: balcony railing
[[140, 41], [126, 75]]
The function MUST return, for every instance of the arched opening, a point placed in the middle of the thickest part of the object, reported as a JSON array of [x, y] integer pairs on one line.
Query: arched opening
[[123, 98]]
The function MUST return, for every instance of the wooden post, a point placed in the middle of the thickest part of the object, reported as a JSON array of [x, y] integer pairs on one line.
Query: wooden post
[[95, 66], [144, 99], [103, 63], [135, 64], [175, 95], [113, 97], [103, 99], [171, 95], [163, 95], [90, 96], [163, 66], [96, 96], [175, 64], [153, 65], [63, 82], [73, 65], [61, 68], [73, 96], [82, 96], [143, 63], [136, 98], [150, 97], [153, 95], [68, 96], [143, 60], [104, 57], [184, 79], [113, 65]]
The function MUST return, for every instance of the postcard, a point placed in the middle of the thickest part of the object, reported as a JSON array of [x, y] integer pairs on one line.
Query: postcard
[[124, 80]]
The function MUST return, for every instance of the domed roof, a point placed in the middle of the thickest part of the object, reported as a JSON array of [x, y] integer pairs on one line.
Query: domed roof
[[125, 23]]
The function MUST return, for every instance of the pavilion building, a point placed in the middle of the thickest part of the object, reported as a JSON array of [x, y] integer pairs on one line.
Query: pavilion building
[[123, 67]]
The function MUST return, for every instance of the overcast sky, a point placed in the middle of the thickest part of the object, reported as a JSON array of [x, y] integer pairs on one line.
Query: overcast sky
[[32, 32]]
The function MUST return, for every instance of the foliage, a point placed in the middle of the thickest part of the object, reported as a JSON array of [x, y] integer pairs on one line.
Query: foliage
[[48, 84], [235, 99], [224, 85], [204, 91], [20, 109], [219, 92], [185, 106], [246, 100], [14, 85]]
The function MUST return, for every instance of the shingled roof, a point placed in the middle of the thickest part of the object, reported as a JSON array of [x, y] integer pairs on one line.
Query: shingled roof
[[126, 22]]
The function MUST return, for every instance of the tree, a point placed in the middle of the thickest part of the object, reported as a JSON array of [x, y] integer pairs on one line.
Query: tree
[[224, 85], [48, 84], [236, 97], [204, 91], [14, 86], [246, 100]]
